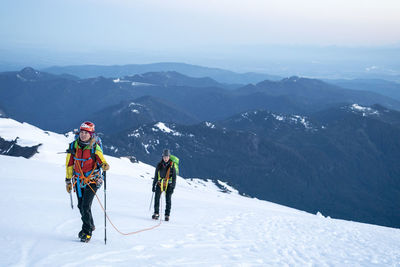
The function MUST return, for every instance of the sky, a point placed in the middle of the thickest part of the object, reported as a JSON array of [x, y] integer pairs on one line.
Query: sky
[[215, 29]]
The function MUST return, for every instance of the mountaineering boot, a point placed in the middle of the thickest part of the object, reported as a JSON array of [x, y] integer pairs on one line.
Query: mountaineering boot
[[155, 216], [81, 233], [167, 217], [86, 238]]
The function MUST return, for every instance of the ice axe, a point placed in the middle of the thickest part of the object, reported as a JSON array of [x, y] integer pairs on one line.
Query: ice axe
[[70, 196]]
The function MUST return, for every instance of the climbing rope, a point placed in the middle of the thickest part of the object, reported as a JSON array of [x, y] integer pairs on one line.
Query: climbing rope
[[116, 229], [87, 181]]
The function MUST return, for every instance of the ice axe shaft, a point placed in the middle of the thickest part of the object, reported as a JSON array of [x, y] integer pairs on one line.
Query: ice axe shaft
[[70, 197]]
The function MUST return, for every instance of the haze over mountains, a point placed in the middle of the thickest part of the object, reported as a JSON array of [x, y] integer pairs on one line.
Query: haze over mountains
[[323, 62], [296, 141], [220, 75], [388, 88]]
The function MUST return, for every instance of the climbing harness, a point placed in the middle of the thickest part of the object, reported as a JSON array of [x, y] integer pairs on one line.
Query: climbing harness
[[163, 182]]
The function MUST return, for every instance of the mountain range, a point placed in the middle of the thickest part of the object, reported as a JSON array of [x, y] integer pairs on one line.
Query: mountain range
[[60, 102], [297, 141], [340, 161], [220, 75]]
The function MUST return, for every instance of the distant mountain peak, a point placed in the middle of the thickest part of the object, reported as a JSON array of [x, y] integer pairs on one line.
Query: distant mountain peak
[[293, 79], [290, 80], [29, 71], [297, 79], [29, 74]]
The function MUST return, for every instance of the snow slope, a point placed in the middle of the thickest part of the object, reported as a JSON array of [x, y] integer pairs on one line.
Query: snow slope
[[207, 227]]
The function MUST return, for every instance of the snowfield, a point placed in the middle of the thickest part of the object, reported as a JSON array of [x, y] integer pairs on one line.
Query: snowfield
[[207, 227]]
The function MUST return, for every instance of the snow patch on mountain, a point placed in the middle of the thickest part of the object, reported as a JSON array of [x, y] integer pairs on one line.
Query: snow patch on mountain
[[133, 104], [209, 125], [114, 149], [292, 119], [302, 120], [21, 78], [146, 146], [296, 119], [118, 80], [247, 115], [136, 133], [161, 126], [141, 84], [365, 111], [133, 83], [151, 144], [278, 117]]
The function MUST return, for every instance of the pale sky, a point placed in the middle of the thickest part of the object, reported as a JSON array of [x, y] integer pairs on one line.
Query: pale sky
[[152, 23], [170, 27]]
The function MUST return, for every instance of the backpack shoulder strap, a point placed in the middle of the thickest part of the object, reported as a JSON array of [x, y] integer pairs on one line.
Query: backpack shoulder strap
[[171, 166], [93, 151], [72, 148]]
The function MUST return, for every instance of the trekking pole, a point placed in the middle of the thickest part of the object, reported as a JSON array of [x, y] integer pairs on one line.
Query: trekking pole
[[105, 208], [151, 201]]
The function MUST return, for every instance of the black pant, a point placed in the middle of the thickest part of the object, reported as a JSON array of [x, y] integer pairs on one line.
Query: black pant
[[168, 195], [84, 205]]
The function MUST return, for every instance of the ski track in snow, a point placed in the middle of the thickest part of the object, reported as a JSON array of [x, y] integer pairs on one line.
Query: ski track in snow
[[207, 227]]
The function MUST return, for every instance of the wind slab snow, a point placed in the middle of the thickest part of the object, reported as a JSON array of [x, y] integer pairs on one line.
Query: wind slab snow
[[207, 227]]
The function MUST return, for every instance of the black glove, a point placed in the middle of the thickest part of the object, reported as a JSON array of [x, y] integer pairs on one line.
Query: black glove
[[154, 188]]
